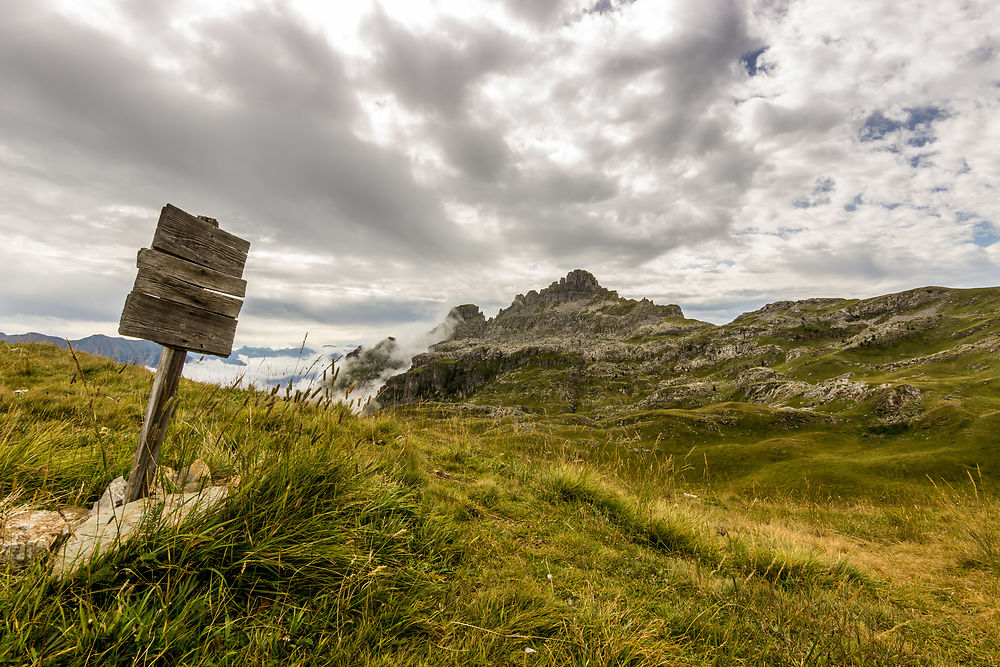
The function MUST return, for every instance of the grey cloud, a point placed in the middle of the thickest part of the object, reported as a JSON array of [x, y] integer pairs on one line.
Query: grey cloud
[[434, 72], [479, 152], [585, 145], [855, 259], [371, 311], [809, 119], [552, 185], [982, 54], [538, 12], [582, 210], [691, 67], [623, 234], [820, 194], [603, 7], [269, 144], [94, 299]]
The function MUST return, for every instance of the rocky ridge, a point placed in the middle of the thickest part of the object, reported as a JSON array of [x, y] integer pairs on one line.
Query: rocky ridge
[[576, 346]]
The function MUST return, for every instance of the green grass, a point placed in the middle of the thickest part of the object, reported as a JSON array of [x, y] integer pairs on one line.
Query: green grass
[[438, 535]]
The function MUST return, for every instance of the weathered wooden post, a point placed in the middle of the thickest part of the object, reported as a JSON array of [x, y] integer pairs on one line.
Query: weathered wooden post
[[180, 301]]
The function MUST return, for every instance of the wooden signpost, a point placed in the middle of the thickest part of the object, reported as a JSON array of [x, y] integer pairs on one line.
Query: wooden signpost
[[185, 298]]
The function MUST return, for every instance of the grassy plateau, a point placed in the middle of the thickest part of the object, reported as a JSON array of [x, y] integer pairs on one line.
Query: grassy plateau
[[439, 534]]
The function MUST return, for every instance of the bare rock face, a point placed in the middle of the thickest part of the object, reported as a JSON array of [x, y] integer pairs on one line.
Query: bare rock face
[[576, 346], [891, 304], [103, 532], [364, 366], [573, 316], [897, 402], [577, 285], [465, 321], [114, 496]]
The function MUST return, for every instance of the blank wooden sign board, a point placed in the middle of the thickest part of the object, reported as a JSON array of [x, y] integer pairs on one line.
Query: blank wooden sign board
[[186, 297]]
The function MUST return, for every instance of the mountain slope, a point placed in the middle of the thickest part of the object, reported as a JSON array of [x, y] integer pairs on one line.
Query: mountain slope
[[841, 392], [122, 350], [796, 354]]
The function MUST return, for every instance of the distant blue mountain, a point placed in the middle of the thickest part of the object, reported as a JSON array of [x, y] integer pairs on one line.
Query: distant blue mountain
[[122, 350], [147, 353]]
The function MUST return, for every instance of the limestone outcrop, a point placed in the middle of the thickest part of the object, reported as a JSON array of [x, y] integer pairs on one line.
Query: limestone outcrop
[[576, 346]]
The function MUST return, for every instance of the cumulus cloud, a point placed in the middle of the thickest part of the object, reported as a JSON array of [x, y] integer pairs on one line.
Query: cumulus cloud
[[387, 164]]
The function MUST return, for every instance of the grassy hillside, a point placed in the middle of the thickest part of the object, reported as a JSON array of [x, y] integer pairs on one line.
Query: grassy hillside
[[838, 397], [444, 535]]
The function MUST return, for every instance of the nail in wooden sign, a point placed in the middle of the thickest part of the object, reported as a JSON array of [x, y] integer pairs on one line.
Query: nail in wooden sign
[[188, 290]]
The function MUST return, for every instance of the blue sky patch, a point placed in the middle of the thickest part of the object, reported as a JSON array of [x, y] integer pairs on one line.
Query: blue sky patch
[[876, 126], [824, 184], [749, 62], [918, 120], [821, 193], [853, 205], [984, 234]]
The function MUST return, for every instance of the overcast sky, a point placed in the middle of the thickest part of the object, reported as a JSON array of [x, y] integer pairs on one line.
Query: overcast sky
[[389, 160]]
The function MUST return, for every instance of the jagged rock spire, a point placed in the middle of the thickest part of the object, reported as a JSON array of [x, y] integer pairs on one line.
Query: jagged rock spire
[[578, 284]]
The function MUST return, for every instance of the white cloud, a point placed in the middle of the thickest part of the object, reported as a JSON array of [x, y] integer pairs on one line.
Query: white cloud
[[390, 160]]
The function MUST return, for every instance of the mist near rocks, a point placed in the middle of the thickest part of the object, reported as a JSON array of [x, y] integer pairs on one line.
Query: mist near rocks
[[364, 371]]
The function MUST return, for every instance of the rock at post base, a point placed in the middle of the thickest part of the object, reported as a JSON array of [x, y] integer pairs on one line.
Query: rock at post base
[[27, 535]]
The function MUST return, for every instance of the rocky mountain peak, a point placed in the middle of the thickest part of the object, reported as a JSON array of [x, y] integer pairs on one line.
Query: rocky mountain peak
[[467, 321], [576, 286], [579, 280]]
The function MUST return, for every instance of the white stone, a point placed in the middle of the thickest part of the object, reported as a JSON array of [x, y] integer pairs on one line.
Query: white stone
[[104, 531], [114, 496], [28, 534]]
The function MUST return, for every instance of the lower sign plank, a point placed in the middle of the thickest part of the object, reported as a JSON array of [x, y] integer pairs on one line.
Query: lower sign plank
[[178, 325]]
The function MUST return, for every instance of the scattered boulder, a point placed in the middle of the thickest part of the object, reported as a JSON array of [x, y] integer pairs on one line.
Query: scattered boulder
[[76, 533], [896, 402], [194, 477], [103, 532], [114, 496], [27, 534]]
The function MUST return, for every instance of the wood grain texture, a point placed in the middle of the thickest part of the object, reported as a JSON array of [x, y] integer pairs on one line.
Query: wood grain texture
[[155, 262], [177, 325], [154, 426], [198, 241], [174, 289]]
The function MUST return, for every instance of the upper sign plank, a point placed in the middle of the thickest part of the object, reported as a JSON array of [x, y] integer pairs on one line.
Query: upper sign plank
[[198, 241]]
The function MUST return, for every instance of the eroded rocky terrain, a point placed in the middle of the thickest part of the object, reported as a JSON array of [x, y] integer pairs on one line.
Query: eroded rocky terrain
[[577, 347]]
